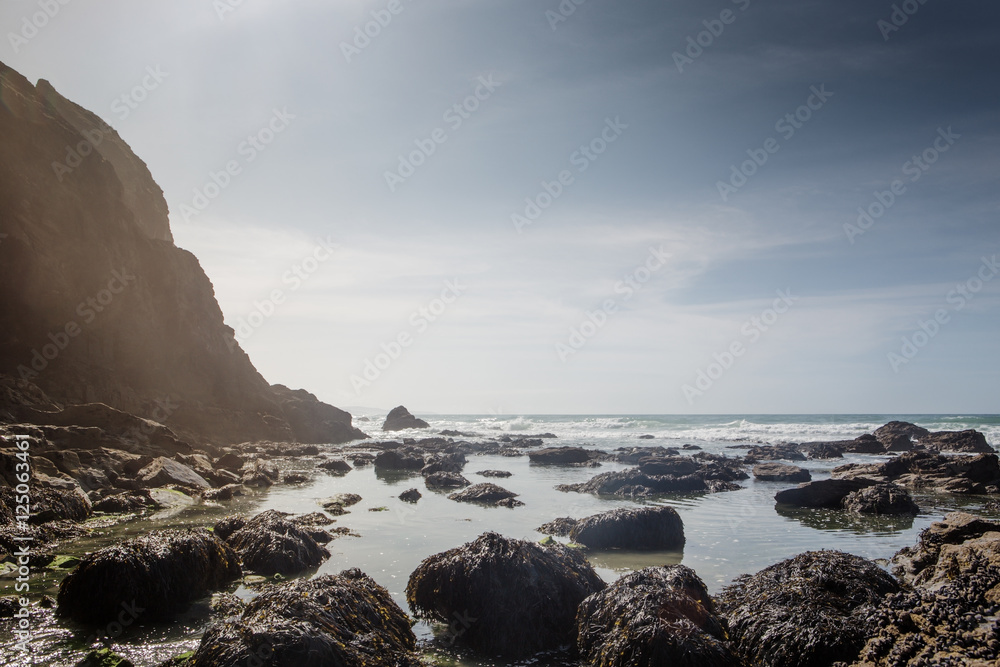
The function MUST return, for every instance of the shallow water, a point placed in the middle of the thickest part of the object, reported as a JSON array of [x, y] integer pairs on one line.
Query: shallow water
[[727, 533]]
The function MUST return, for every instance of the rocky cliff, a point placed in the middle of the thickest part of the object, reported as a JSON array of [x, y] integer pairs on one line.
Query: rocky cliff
[[97, 304]]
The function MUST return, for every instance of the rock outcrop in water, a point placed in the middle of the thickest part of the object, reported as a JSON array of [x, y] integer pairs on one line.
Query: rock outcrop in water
[[97, 304], [640, 528], [702, 473], [400, 419]]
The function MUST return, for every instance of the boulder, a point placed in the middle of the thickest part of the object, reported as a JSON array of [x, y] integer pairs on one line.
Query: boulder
[[494, 473], [822, 493], [812, 610], [161, 573], [655, 528], [969, 442], [259, 473], [230, 461], [780, 472], [783, 452], [446, 480], [49, 505], [561, 527], [163, 472], [400, 419], [518, 597], [126, 502], [335, 466], [487, 494], [864, 444], [656, 616], [898, 436], [633, 483], [269, 543], [410, 496], [395, 459], [882, 499], [453, 462], [345, 619], [979, 474], [559, 455]]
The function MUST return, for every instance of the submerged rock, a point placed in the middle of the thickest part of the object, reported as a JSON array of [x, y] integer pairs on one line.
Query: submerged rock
[[345, 619], [160, 574], [883, 499], [487, 494], [656, 616], [779, 472], [517, 597], [812, 610], [400, 419], [269, 543], [656, 528]]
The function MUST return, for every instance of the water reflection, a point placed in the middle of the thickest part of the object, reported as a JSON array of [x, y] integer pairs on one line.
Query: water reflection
[[844, 521]]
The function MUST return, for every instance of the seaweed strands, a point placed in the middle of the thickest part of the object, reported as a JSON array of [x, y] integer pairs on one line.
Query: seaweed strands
[[808, 611], [345, 620], [656, 616], [269, 543], [519, 598], [160, 573]]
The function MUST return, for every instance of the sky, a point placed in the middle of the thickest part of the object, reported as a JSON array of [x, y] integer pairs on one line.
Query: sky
[[534, 206]]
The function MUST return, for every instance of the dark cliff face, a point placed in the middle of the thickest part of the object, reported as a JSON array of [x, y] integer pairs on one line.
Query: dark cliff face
[[96, 302]]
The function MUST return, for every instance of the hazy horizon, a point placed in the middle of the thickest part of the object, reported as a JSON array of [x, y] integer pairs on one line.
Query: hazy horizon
[[671, 209]]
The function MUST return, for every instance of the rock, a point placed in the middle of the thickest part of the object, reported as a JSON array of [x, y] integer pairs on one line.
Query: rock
[[345, 619], [227, 492], [808, 611], [654, 528], [269, 543], [898, 436], [49, 505], [127, 502], [400, 419], [104, 657], [486, 494], [494, 473], [335, 466], [519, 597], [970, 441], [259, 473], [363, 459], [395, 459], [163, 472], [711, 475], [161, 573], [865, 444], [822, 493], [882, 499], [647, 437], [978, 474], [230, 461], [559, 455], [779, 472], [227, 604], [785, 452], [446, 480], [656, 616], [561, 527], [294, 478], [410, 496], [454, 463], [919, 565], [341, 500], [675, 466], [823, 450]]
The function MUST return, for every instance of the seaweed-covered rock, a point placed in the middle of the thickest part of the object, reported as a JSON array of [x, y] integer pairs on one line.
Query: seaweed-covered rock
[[453, 462], [812, 610], [780, 472], [639, 528], [559, 455], [883, 499], [269, 543], [561, 527], [227, 492], [260, 473], [399, 419], [446, 480], [495, 473], [128, 501], [160, 573], [346, 620], [410, 496], [394, 459], [49, 504], [335, 466], [633, 483], [522, 596], [656, 616], [487, 494]]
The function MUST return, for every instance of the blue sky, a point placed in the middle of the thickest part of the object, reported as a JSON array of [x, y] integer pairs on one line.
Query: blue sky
[[496, 317]]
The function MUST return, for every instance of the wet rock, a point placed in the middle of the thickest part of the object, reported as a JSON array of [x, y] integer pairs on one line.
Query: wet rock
[[779, 472], [560, 527], [259, 473], [487, 494], [230, 461], [410, 496], [676, 466], [711, 476], [919, 565], [865, 444], [656, 616], [335, 504], [446, 480], [295, 478], [899, 436], [559, 455], [655, 528], [269, 543], [47, 505], [163, 472], [227, 492], [453, 463], [395, 459], [494, 473], [104, 657], [345, 619], [127, 502], [516, 597], [335, 466], [822, 493], [970, 441], [400, 419], [978, 474], [882, 499], [227, 604], [812, 610], [783, 452], [153, 577], [822, 450]]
